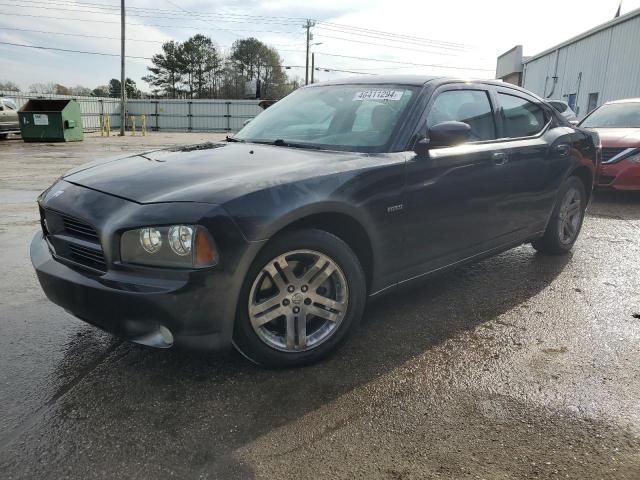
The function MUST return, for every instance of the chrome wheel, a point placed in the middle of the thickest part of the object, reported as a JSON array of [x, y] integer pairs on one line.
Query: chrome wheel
[[298, 300], [570, 216]]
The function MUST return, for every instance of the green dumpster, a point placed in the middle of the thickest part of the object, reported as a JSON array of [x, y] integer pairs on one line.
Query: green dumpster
[[46, 120]]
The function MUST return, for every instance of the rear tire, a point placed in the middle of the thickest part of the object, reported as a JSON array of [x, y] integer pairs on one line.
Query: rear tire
[[302, 297], [566, 219]]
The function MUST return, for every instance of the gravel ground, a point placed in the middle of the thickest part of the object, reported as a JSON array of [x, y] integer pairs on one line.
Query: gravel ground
[[521, 366]]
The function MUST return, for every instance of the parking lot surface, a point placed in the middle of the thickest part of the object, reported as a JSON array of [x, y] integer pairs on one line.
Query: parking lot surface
[[521, 366]]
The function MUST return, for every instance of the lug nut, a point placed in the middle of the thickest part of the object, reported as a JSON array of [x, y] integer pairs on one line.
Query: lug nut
[[285, 302], [307, 301], [304, 288], [296, 309], [290, 288]]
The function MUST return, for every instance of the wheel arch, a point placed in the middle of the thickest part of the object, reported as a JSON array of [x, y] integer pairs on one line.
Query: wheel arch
[[342, 224], [585, 174]]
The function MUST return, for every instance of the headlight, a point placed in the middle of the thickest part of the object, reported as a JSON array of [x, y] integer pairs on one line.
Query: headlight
[[180, 239], [151, 240], [182, 246]]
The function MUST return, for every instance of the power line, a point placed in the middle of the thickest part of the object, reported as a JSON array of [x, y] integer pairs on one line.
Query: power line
[[86, 52], [293, 20], [79, 35], [348, 29], [39, 47], [400, 47], [339, 26], [82, 35], [403, 63], [244, 18], [196, 16], [393, 38], [141, 24]]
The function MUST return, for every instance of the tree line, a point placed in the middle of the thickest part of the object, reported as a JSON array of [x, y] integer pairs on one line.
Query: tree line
[[196, 68]]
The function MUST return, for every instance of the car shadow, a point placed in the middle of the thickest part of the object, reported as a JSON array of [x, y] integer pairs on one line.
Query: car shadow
[[186, 412]]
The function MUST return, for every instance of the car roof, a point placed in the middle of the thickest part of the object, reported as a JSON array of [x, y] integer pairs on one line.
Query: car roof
[[417, 81], [624, 100], [413, 80]]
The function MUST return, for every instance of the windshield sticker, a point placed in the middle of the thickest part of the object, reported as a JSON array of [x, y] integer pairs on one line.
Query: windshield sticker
[[393, 95]]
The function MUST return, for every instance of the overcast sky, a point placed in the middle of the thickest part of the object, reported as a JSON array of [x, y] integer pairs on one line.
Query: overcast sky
[[468, 34]]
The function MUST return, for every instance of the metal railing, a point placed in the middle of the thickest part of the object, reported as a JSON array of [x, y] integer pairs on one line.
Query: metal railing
[[161, 114]]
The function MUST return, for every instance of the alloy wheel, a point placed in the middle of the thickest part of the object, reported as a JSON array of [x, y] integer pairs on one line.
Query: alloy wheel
[[298, 300], [570, 216]]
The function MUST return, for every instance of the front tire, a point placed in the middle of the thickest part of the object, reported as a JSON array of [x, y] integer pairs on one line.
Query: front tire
[[302, 297], [566, 219]]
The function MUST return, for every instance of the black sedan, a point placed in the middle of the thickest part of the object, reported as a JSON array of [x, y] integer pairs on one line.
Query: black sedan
[[342, 191]]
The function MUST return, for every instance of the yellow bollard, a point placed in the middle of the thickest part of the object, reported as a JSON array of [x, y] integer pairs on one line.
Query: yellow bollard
[[107, 125], [133, 125], [143, 122]]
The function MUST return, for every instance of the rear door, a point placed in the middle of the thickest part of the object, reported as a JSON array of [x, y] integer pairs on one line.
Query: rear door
[[538, 149], [451, 195]]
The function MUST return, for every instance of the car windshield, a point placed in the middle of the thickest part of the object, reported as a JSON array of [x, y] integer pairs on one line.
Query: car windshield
[[9, 103], [614, 115], [339, 117]]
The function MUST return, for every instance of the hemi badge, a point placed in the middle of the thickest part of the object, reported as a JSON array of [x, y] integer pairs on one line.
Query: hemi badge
[[395, 208]]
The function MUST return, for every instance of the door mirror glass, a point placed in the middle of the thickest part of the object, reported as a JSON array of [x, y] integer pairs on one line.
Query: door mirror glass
[[448, 134]]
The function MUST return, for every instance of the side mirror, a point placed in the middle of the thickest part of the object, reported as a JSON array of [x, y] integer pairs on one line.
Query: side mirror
[[421, 147], [448, 134]]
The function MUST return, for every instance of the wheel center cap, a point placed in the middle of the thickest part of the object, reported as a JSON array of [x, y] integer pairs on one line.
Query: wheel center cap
[[297, 299]]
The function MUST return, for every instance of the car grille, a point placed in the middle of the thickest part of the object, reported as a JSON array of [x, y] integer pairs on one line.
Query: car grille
[[609, 153], [73, 240], [79, 228]]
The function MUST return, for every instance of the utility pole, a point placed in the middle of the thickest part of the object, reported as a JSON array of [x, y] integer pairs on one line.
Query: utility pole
[[123, 90], [313, 65], [308, 25]]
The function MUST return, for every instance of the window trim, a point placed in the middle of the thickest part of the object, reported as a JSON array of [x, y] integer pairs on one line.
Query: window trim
[[500, 110], [421, 128]]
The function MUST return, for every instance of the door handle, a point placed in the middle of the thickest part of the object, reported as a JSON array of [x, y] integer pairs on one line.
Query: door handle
[[562, 149], [499, 158]]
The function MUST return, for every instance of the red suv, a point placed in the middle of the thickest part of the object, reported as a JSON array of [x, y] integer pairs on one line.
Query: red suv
[[618, 124]]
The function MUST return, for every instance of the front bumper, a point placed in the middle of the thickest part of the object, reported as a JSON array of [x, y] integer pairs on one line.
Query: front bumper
[[138, 309], [623, 175], [142, 304]]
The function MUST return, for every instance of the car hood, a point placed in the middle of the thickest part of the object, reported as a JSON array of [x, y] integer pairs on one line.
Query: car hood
[[619, 137], [211, 172]]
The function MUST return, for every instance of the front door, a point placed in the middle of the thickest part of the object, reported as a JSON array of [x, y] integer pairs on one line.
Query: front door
[[451, 196]]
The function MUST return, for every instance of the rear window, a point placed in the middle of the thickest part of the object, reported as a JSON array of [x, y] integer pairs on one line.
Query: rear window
[[561, 107], [522, 118]]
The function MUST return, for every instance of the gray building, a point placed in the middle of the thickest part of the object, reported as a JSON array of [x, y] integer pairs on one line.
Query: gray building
[[585, 71]]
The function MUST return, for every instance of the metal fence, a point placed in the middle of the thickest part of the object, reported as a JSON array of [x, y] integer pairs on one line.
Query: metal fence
[[161, 114]]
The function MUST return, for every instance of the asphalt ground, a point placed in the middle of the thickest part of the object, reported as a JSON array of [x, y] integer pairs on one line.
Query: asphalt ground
[[521, 366]]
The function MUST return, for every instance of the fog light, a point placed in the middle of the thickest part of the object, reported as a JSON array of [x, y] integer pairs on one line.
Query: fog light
[[166, 335], [150, 239], [180, 239]]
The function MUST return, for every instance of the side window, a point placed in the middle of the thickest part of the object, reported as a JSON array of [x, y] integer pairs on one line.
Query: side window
[[468, 106], [522, 118]]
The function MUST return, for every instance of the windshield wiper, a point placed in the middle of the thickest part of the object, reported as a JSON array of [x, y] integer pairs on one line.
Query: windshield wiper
[[231, 139], [284, 143]]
